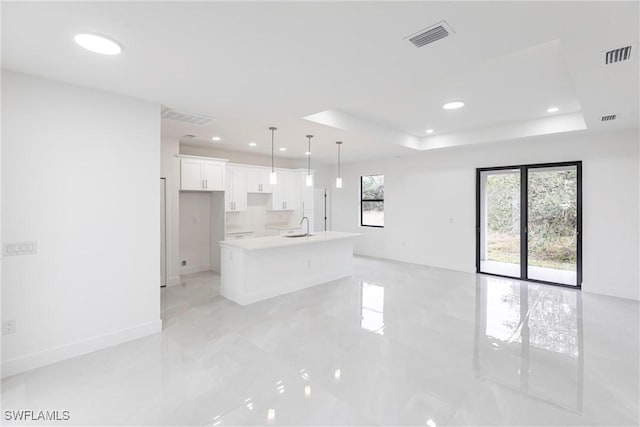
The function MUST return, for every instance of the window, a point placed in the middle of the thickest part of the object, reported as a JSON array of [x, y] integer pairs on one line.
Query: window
[[372, 201]]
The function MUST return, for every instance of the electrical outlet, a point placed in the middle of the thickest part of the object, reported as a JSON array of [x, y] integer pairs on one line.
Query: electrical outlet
[[20, 248], [184, 262], [8, 327]]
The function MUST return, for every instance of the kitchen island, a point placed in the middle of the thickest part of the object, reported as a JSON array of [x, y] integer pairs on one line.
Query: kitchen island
[[259, 268]]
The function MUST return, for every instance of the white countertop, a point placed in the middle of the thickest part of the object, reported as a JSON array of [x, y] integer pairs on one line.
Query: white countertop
[[270, 242], [237, 231], [282, 226]]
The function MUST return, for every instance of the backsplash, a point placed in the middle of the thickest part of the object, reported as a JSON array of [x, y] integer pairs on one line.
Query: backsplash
[[257, 216]]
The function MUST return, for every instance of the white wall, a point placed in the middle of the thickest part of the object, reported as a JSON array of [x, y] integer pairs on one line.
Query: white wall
[[424, 192], [195, 231], [243, 157], [80, 174]]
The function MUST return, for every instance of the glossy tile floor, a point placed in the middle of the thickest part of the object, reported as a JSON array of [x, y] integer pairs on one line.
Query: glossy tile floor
[[396, 344]]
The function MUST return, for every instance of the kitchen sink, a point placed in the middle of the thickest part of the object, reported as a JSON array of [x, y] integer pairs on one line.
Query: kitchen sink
[[297, 235]]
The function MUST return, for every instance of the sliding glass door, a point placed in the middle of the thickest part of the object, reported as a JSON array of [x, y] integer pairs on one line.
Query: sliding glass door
[[500, 221], [529, 222]]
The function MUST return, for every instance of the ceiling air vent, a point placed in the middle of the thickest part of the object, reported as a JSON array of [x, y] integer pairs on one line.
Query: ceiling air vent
[[608, 118], [617, 55], [196, 119], [430, 34]]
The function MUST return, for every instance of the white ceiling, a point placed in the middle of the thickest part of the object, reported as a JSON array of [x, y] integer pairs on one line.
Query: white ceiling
[[254, 65]]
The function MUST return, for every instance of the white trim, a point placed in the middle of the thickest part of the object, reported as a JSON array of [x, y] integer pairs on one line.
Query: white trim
[[194, 269], [78, 348], [188, 156]]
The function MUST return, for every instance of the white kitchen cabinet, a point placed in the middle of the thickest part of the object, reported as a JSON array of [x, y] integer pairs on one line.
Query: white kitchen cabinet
[[304, 192], [214, 174], [235, 193], [202, 175], [283, 195], [258, 180]]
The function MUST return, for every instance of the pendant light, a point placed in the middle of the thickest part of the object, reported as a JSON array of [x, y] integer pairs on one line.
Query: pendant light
[[309, 180], [273, 179], [339, 178]]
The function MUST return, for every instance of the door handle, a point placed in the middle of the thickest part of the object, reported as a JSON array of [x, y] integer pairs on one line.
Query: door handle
[[206, 183]]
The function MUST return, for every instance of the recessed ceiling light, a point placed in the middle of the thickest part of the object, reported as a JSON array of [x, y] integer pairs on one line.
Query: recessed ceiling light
[[252, 144], [553, 110], [216, 138], [307, 153], [429, 130], [98, 44], [283, 149], [453, 105]]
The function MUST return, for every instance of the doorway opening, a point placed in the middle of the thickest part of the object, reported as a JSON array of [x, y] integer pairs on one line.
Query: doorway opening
[[529, 222]]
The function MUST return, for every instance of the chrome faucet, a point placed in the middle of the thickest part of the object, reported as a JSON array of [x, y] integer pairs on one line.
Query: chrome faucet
[[302, 220]]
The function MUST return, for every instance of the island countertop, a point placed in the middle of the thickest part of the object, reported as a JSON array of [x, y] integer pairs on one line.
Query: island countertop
[[269, 242]]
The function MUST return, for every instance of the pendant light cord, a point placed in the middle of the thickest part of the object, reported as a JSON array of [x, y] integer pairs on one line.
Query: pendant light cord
[[272, 130], [309, 159], [339, 175]]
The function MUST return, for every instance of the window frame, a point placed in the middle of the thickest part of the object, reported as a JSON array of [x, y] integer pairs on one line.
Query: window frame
[[369, 200]]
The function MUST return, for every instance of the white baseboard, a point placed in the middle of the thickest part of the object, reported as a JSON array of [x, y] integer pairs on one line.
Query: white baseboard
[[194, 269], [68, 351]]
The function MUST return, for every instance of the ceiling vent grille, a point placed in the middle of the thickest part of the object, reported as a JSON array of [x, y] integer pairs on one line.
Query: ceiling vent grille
[[617, 55], [196, 119], [608, 118], [430, 34]]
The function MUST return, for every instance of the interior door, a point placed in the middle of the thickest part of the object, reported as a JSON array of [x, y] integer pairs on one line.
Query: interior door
[[320, 209]]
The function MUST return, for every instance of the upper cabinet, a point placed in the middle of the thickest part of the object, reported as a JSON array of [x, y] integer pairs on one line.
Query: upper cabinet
[[235, 194], [236, 180], [202, 175], [283, 194], [258, 180]]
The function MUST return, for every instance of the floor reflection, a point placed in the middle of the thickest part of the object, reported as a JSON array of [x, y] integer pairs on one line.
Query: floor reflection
[[372, 308], [529, 338]]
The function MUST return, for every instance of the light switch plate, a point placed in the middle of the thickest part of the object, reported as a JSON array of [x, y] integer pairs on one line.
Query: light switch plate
[[20, 248], [8, 327]]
